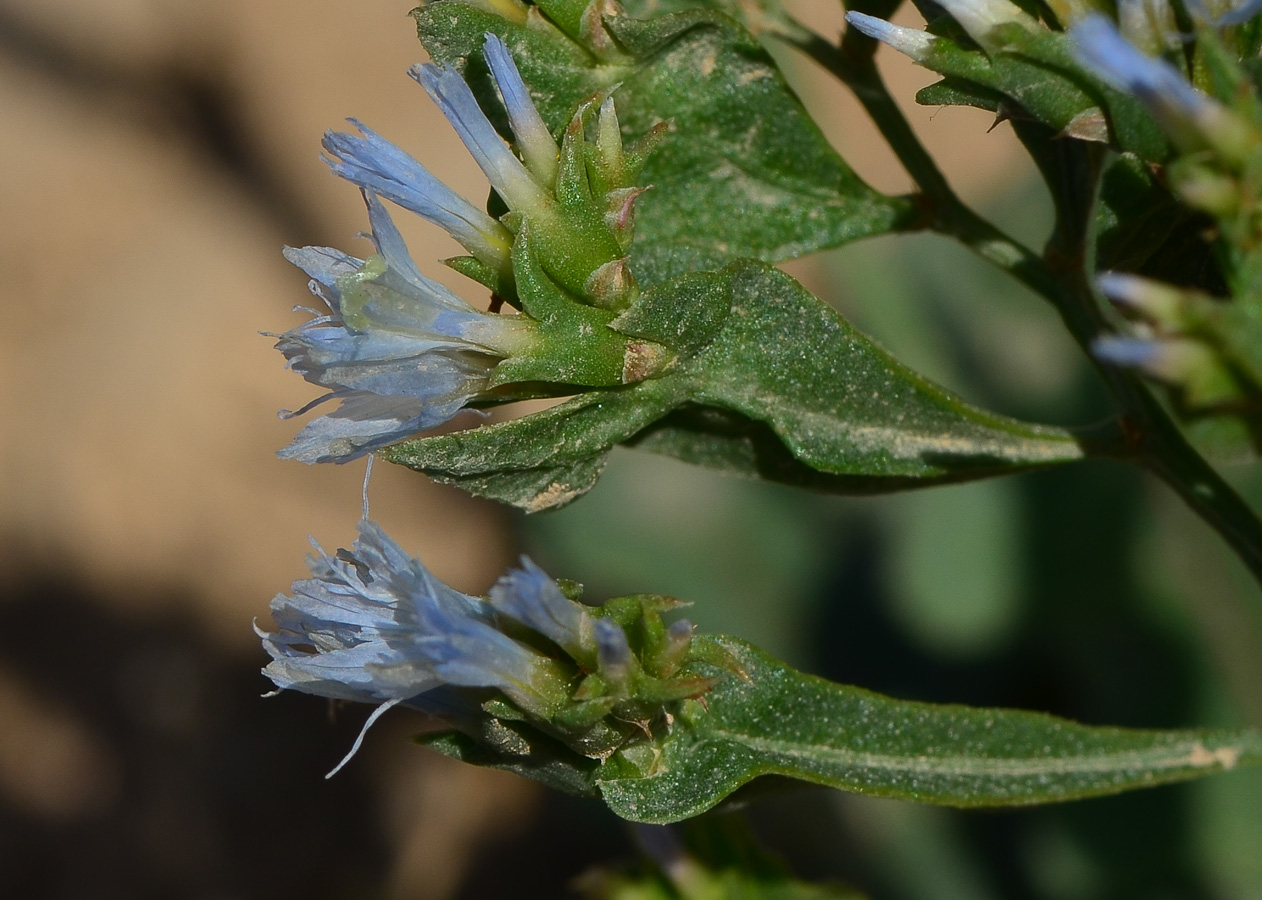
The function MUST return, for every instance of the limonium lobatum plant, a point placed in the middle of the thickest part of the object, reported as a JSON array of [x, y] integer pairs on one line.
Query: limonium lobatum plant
[[660, 321], [403, 354]]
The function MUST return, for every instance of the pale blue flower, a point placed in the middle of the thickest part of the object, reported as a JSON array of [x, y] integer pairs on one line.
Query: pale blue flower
[[375, 164], [538, 149], [520, 188], [1099, 46], [911, 42], [1175, 360], [373, 625], [399, 351], [612, 650]]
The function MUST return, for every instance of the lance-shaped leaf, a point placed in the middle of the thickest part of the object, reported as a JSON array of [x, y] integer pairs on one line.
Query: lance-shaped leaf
[[741, 170], [763, 719], [777, 721], [769, 381], [543, 460], [841, 404]]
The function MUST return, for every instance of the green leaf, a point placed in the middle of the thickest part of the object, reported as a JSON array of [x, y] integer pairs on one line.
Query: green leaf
[[841, 404], [769, 382], [781, 722], [542, 460], [547, 762], [1037, 77], [743, 171]]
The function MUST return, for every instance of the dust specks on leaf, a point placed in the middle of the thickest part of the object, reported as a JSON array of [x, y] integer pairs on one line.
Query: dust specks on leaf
[[753, 75], [708, 62], [1202, 757], [555, 494]]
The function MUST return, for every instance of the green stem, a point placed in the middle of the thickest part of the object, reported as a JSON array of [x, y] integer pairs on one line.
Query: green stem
[[1151, 437], [854, 64]]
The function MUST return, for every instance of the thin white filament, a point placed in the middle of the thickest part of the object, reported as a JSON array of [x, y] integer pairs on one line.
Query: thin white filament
[[376, 714]]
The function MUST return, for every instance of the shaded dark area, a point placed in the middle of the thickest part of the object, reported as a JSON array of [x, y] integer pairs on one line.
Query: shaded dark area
[[220, 793], [567, 836], [1087, 652]]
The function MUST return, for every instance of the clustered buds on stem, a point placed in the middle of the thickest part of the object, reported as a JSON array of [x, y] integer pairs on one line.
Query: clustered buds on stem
[[1204, 346], [374, 625], [1211, 159], [403, 354], [1174, 339]]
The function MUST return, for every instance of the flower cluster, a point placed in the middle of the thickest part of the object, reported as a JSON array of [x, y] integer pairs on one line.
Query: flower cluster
[[403, 354], [576, 198], [374, 625]]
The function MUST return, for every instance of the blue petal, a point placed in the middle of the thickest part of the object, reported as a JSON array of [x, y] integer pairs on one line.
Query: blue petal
[[533, 138], [410, 302], [364, 423], [530, 597], [377, 165], [613, 652], [1097, 44], [504, 170], [909, 41]]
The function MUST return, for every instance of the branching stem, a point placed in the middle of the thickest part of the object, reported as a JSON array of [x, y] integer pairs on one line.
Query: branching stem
[[1148, 435]]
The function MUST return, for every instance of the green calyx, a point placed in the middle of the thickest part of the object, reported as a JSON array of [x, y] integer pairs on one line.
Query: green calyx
[[583, 236], [610, 702], [573, 343]]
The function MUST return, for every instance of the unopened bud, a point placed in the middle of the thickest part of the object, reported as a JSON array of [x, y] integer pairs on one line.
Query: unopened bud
[[611, 285], [613, 654], [1206, 189], [1187, 364], [1153, 301], [909, 41]]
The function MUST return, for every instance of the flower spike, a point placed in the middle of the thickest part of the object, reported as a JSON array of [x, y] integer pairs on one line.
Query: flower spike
[[403, 354]]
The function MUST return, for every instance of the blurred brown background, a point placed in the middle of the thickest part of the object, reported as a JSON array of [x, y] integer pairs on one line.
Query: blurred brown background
[[154, 157]]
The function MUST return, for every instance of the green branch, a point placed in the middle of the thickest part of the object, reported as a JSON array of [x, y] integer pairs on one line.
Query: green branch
[[1145, 432]]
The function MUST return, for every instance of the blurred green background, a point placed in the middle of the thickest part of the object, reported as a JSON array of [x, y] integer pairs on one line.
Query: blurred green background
[[158, 153]]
